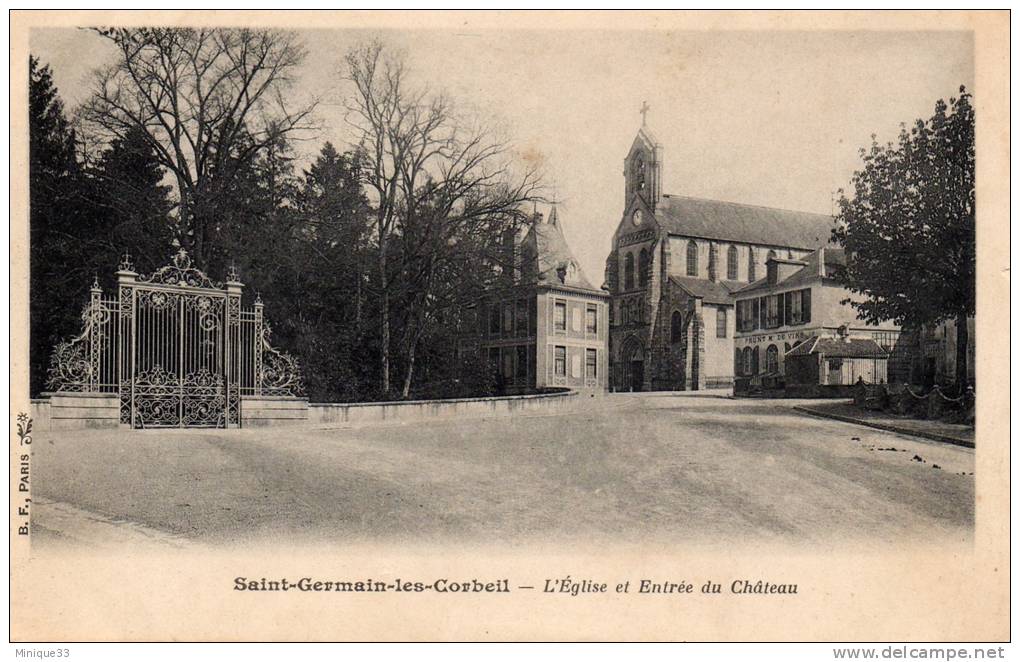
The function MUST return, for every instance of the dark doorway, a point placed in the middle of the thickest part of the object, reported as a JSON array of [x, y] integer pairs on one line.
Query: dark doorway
[[637, 375]]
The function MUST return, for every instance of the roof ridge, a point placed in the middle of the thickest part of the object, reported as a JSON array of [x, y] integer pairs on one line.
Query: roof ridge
[[745, 204]]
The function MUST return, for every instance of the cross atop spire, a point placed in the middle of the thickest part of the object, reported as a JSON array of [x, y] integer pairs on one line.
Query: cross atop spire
[[644, 113]]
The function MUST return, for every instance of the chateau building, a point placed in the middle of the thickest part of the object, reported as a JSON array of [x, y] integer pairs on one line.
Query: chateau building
[[545, 325], [675, 264]]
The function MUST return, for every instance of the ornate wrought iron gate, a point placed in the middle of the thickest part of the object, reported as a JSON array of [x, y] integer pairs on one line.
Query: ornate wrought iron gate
[[177, 347]]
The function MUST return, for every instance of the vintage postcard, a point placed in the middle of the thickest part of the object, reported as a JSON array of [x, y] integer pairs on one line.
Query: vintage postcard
[[509, 326]]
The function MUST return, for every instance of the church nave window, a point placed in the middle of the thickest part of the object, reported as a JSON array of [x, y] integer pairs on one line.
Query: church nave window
[[676, 327], [643, 268], [692, 258], [731, 263]]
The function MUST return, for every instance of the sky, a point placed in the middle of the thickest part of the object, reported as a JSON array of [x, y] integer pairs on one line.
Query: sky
[[759, 117]]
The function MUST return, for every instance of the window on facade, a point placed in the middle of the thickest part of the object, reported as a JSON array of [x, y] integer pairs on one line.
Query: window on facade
[[643, 267], [798, 307], [795, 316], [748, 361], [628, 272], [590, 363], [560, 361], [738, 368], [508, 363], [676, 327], [771, 311], [494, 359], [560, 316], [522, 364], [508, 319], [720, 322], [751, 276], [743, 322], [494, 320], [591, 320], [692, 258], [731, 263], [772, 360], [521, 318]]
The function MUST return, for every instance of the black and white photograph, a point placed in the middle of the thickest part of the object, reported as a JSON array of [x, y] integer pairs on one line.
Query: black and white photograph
[[436, 289]]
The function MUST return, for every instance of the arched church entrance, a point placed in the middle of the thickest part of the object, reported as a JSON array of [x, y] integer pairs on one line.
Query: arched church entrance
[[633, 362]]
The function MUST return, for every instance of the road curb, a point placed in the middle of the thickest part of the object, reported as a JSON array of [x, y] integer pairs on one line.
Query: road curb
[[887, 427]]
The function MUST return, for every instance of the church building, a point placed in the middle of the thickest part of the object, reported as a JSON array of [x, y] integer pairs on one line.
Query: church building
[[674, 266]]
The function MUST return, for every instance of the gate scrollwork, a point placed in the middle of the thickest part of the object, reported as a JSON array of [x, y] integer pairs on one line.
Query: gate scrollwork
[[176, 347]]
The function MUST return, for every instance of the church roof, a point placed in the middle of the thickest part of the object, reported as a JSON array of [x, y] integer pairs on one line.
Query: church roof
[[707, 290], [751, 224], [553, 256]]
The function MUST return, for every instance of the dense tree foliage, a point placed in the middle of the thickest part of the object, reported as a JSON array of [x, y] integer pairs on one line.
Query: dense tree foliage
[[83, 216], [908, 225], [207, 101], [440, 186], [360, 260]]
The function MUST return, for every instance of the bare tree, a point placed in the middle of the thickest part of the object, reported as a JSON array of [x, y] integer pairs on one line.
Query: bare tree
[[207, 100], [433, 176]]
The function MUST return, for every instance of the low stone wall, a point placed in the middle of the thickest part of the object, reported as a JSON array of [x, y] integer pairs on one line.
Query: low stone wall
[[89, 410], [68, 411], [415, 410], [261, 411]]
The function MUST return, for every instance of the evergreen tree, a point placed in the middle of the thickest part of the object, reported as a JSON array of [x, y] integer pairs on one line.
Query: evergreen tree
[[56, 284], [83, 217]]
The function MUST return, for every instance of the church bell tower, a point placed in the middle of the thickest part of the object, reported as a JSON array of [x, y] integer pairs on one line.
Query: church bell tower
[[643, 167]]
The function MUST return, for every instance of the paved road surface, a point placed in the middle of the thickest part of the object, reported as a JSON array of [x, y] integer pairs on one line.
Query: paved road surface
[[628, 468]]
